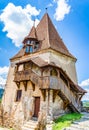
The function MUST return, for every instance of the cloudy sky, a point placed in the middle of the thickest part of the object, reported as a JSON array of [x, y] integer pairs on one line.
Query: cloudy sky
[[70, 17]]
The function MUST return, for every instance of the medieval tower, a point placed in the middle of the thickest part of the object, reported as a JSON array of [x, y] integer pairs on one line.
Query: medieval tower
[[42, 82]]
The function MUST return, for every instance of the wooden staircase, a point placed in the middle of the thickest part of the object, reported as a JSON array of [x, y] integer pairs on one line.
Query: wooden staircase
[[30, 125], [67, 103]]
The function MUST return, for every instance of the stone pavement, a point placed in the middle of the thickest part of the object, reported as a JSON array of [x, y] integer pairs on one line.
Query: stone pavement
[[82, 124]]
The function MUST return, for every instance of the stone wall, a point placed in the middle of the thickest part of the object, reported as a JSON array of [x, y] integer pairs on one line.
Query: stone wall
[[64, 62]]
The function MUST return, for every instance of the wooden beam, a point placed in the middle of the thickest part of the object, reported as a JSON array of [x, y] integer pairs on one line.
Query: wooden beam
[[25, 85], [65, 104], [33, 86], [43, 91], [55, 92], [18, 84]]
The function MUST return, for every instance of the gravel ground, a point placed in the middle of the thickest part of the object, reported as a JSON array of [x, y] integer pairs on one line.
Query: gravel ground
[[82, 124]]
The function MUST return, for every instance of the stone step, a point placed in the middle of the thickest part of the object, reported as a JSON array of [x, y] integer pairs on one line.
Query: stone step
[[24, 128], [30, 125], [31, 122]]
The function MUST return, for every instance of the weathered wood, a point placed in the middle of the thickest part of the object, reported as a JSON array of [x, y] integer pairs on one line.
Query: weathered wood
[[65, 104], [55, 92], [33, 86], [18, 84], [25, 85], [43, 91]]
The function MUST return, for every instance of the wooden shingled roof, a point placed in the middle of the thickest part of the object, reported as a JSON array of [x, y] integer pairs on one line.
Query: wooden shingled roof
[[31, 35], [48, 37]]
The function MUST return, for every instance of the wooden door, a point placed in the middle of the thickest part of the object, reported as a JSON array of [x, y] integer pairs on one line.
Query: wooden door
[[36, 106]]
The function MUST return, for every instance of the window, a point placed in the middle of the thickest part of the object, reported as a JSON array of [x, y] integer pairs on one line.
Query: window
[[20, 67], [27, 65], [36, 45], [18, 95], [31, 46], [27, 49], [53, 72], [31, 49]]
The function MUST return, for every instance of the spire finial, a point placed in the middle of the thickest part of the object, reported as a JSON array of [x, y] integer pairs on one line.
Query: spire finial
[[34, 22], [46, 9]]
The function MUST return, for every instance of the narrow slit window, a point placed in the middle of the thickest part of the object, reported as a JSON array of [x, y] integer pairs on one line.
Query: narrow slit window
[[18, 95]]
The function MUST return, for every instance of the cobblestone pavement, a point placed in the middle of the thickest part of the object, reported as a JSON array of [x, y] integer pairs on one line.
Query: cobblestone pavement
[[82, 124]]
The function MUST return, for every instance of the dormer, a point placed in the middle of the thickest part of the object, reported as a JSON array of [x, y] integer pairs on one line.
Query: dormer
[[30, 42]]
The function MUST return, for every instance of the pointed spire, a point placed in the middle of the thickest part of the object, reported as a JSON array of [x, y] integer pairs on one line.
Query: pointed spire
[[46, 30], [32, 34], [48, 35]]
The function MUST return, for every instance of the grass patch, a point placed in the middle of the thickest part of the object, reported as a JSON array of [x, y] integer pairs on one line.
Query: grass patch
[[65, 120]]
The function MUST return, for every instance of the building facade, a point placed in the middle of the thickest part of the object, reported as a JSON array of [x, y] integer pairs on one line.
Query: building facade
[[42, 81]]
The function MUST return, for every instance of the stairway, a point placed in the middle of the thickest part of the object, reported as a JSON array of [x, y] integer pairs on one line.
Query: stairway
[[73, 108], [67, 102], [30, 125]]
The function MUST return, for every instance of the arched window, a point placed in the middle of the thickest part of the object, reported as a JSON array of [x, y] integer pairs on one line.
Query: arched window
[[53, 72]]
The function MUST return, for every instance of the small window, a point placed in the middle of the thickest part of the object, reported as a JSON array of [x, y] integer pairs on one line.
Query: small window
[[36, 45], [31, 49], [27, 65], [18, 95], [53, 72], [27, 49]]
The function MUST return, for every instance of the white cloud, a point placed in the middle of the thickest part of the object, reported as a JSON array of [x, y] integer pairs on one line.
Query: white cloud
[[3, 74], [62, 9], [84, 83], [18, 21]]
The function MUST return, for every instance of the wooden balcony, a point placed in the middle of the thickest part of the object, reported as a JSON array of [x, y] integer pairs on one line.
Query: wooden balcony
[[27, 75]]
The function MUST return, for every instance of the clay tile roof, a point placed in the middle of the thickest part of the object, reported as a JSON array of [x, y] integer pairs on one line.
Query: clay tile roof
[[31, 35]]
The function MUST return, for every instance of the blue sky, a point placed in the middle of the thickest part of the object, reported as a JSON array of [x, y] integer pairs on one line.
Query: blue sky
[[70, 17]]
